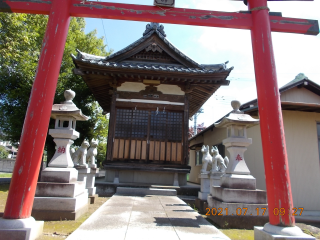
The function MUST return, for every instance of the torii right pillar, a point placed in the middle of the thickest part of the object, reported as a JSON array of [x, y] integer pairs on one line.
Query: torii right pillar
[[276, 166]]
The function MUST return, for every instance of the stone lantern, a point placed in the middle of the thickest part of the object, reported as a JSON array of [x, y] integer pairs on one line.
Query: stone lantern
[[236, 143], [238, 188], [66, 114], [59, 195]]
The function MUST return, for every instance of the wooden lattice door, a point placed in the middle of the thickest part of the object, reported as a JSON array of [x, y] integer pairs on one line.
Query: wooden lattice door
[[148, 135]]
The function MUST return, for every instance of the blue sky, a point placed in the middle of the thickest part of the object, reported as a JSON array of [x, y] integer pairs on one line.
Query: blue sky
[[294, 53]]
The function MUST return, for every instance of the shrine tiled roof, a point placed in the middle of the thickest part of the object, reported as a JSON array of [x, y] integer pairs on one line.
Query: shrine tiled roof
[[150, 29], [150, 57], [204, 69], [112, 61]]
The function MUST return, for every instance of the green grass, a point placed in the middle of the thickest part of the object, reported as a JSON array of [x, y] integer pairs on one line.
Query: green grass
[[5, 175], [239, 234], [55, 230], [3, 195], [61, 229]]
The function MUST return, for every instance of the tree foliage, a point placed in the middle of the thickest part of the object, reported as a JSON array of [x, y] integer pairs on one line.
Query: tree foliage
[[3, 152], [20, 44]]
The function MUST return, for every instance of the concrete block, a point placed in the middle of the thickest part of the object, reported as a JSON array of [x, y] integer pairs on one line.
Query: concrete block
[[205, 182], [61, 203], [238, 209], [203, 195], [199, 205], [82, 170], [237, 181], [49, 215], [92, 199], [229, 195], [94, 170], [91, 191], [236, 215], [144, 177], [280, 233], [176, 179], [48, 189], [162, 178], [91, 178], [215, 180], [146, 191], [59, 175], [20, 229], [109, 175]]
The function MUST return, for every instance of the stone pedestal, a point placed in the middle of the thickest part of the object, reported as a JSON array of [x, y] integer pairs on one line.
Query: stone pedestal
[[92, 165], [205, 186], [88, 175], [270, 232], [83, 173], [176, 180], [26, 229], [59, 196], [91, 178], [243, 207], [215, 180]]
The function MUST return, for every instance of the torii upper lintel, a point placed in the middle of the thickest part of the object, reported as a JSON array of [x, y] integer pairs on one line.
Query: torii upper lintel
[[106, 10]]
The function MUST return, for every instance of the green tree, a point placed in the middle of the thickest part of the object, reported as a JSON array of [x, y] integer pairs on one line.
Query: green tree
[[20, 44], [3, 152]]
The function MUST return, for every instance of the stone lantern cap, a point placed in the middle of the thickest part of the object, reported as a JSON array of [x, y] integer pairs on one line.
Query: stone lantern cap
[[68, 108], [237, 117]]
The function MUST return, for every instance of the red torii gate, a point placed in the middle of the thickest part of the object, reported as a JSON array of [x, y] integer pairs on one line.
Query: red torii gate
[[24, 180]]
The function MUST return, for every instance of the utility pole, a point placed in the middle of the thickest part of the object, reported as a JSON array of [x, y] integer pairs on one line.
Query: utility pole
[[195, 120]]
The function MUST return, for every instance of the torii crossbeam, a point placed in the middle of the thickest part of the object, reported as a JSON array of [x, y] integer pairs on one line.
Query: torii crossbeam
[[24, 179]]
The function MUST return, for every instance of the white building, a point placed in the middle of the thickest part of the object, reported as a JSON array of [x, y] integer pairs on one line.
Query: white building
[[300, 101]]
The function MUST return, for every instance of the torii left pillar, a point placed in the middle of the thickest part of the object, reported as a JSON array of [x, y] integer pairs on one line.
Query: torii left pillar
[[17, 222]]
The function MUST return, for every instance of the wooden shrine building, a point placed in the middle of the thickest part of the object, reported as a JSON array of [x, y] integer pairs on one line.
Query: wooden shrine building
[[150, 89]]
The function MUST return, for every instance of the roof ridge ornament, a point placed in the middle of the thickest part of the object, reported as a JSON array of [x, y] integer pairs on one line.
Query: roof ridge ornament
[[154, 27], [154, 47], [301, 76]]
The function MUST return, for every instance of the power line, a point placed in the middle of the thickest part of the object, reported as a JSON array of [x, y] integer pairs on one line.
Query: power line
[[105, 35]]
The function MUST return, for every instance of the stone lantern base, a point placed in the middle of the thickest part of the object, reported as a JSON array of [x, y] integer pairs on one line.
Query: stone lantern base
[[59, 196], [240, 205]]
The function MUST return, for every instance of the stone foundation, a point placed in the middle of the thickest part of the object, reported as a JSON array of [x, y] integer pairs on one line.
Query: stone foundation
[[237, 215], [145, 177], [65, 199]]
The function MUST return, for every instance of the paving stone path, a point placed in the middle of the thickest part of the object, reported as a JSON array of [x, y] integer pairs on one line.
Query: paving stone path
[[146, 217]]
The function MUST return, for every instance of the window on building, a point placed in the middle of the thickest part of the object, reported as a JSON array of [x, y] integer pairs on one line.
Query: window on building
[[198, 157]]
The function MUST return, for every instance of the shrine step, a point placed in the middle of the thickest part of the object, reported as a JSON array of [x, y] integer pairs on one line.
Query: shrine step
[[145, 191]]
